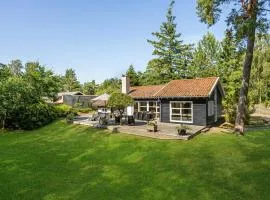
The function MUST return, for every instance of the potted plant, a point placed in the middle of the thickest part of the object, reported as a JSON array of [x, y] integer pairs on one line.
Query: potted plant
[[152, 126], [182, 130], [117, 119]]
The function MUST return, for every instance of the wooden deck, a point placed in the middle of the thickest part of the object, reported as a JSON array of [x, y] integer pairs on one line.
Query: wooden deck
[[165, 130]]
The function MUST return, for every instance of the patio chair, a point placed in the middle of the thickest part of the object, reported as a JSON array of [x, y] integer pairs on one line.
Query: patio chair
[[135, 115], [139, 115], [143, 115], [149, 116]]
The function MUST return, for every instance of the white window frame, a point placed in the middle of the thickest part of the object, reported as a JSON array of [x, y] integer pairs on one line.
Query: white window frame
[[147, 104], [188, 122], [139, 105]]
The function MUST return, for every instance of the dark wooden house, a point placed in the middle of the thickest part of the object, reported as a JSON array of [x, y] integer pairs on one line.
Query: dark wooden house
[[187, 101]]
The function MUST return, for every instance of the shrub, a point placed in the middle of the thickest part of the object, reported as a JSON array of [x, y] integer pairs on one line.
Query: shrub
[[182, 129], [31, 117], [82, 110], [152, 126], [70, 117], [62, 110]]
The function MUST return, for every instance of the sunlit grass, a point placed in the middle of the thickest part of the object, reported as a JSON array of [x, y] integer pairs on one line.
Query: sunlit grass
[[63, 161]]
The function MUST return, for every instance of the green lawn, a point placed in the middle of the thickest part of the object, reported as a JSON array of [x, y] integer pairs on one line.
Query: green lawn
[[75, 162]]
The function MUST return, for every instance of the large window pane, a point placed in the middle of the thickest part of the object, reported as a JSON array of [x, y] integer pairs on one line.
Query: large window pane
[[143, 109], [152, 103], [148, 106], [176, 117], [186, 111], [186, 105], [181, 111], [152, 109], [176, 105], [176, 111], [143, 106], [143, 103], [186, 118], [136, 106]]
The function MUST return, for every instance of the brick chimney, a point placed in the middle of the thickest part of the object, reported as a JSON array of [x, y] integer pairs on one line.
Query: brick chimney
[[125, 84]]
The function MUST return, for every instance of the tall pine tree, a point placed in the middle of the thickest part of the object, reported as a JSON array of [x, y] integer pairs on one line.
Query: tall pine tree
[[70, 81], [206, 56], [133, 76], [229, 70], [173, 55]]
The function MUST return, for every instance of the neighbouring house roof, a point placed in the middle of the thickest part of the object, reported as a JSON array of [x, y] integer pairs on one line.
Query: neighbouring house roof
[[70, 93], [199, 87]]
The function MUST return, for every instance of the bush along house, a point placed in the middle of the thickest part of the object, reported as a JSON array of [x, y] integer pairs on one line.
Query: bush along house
[[187, 101]]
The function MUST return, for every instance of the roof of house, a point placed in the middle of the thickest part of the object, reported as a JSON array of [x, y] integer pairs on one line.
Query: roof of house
[[199, 87], [145, 91]]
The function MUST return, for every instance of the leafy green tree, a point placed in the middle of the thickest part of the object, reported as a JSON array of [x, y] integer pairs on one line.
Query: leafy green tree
[[245, 19], [15, 67], [70, 81], [230, 57], [89, 88], [22, 103], [45, 82], [133, 76], [174, 56], [232, 88], [109, 86], [156, 73], [16, 94], [140, 77], [119, 101], [206, 56], [4, 72], [229, 69], [260, 75]]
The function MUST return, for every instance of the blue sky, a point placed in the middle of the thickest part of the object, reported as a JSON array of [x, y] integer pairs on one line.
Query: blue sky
[[98, 38]]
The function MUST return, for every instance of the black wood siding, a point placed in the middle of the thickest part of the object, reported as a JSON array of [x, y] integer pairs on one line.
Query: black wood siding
[[165, 111], [199, 110], [211, 119], [219, 103]]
